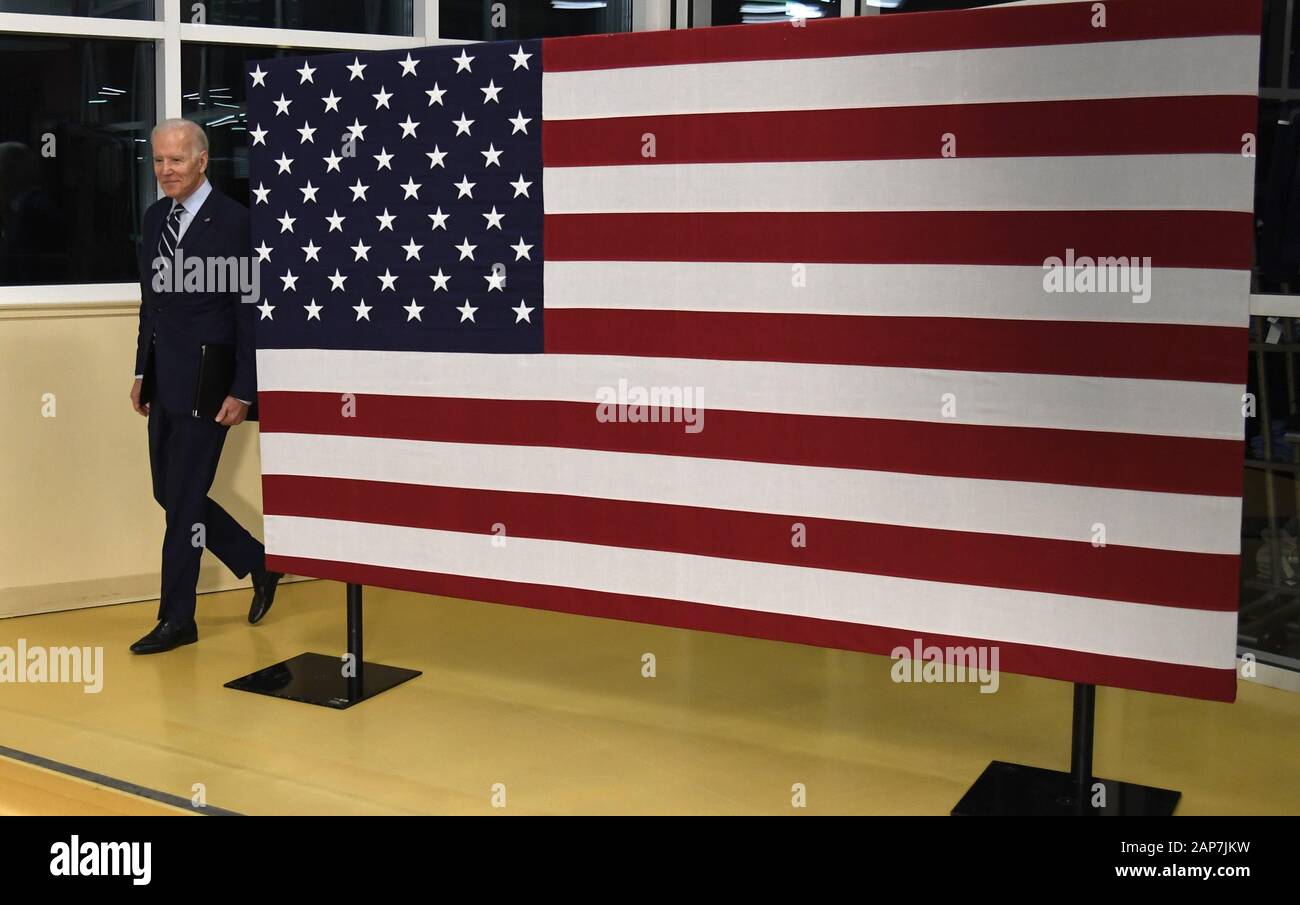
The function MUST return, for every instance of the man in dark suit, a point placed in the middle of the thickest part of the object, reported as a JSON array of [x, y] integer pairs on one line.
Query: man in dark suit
[[177, 317]]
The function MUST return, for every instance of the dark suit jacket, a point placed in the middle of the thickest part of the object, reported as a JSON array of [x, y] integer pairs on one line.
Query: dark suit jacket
[[180, 323]]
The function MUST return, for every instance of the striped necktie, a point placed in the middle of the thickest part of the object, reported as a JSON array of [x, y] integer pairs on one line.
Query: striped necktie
[[171, 233]]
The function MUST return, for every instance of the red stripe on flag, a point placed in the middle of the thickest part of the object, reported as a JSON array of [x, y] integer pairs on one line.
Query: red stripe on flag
[[1144, 125], [1092, 349], [1048, 662], [1051, 456], [1207, 239], [1072, 23], [1130, 574]]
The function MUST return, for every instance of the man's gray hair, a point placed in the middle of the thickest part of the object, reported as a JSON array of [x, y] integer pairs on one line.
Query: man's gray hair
[[198, 138]]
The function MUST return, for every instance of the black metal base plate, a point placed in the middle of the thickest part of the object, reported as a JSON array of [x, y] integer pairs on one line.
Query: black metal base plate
[[1015, 790], [319, 679]]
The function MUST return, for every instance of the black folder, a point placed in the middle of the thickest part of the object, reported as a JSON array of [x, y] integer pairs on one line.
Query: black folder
[[147, 378], [216, 374]]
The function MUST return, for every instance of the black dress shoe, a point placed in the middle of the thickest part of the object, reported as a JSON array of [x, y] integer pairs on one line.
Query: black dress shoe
[[264, 583], [165, 636]]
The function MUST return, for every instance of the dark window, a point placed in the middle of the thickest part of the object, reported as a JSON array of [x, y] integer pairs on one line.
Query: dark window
[[214, 83], [1277, 198], [747, 12], [481, 20], [1270, 564], [1293, 48], [104, 9], [930, 6], [377, 17], [75, 169], [1272, 42]]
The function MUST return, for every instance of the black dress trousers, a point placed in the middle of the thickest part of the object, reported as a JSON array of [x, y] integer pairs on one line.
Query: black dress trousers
[[183, 456]]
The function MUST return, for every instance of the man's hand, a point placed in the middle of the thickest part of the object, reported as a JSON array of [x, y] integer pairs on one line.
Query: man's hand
[[135, 398], [232, 412]]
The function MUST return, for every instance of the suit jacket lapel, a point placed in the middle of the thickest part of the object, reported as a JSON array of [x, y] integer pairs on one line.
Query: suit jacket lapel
[[200, 222], [155, 236], [151, 238]]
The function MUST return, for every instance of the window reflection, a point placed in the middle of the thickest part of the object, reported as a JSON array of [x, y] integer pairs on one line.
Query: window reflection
[[1270, 563], [493, 20], [75, 173], [375, 17], [214, 88], [754, 12], [104, 9]]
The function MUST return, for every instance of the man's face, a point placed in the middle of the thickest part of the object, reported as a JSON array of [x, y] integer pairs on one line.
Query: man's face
[[175, 165]]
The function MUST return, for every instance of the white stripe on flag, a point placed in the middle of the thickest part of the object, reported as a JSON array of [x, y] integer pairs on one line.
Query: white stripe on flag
[[1151, 68], [1172, 408], [1187, 182], [1140, 631], [1165, 521], [1178, 295]]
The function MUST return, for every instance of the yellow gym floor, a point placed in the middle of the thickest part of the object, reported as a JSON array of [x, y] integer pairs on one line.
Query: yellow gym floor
[[555, 708]]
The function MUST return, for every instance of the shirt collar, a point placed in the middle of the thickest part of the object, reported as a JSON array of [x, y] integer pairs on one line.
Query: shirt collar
[[194, 200]]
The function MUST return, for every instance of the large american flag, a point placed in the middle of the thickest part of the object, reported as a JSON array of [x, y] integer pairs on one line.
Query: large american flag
[[834, 235]]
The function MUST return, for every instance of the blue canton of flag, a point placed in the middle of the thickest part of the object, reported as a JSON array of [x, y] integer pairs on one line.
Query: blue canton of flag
[[397, 199]]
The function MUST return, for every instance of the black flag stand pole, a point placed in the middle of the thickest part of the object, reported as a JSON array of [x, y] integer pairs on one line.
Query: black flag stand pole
[[337, 682], [1014, 790]]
